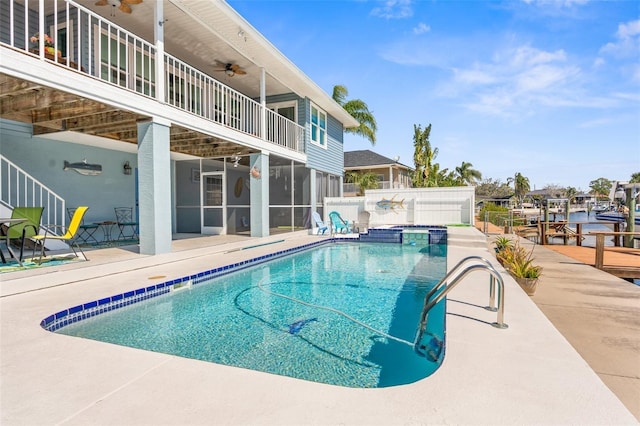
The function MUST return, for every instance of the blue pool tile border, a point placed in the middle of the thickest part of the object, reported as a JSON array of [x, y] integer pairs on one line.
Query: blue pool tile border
[[106, 304]]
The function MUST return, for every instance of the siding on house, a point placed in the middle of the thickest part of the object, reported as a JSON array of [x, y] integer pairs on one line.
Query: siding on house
[[331, 159]]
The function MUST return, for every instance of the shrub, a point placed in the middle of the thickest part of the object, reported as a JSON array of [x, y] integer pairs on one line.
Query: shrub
[[519, 262]]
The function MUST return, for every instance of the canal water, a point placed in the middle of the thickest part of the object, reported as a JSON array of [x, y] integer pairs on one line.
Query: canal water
[[593, 225]]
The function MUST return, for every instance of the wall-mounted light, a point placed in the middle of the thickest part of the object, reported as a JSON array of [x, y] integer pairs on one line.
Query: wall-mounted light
[[127, 168]]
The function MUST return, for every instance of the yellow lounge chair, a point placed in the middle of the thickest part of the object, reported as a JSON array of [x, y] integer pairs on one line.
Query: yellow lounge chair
[[69, 237]]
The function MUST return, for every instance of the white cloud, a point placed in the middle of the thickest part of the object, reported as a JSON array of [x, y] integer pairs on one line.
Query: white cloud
[[557, 3], [394, 9], [526, 56], [518, 81], [473, 76], [542, 77], [421, 28], [627, 43]]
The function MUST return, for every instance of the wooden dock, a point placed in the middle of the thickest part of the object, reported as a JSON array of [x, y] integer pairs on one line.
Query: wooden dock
[[619, 261], [616, 260]]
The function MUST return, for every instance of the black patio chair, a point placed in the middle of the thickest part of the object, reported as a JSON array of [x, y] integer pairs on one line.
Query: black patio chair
[[125, 220]]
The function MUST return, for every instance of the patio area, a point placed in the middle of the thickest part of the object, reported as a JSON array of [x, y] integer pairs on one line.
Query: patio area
[[526, 374]]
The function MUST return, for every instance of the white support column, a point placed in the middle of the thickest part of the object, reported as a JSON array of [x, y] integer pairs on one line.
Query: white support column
[[259, 190], [263, 103], [154, 183], [159, 42], [390, 177], [313, 197]]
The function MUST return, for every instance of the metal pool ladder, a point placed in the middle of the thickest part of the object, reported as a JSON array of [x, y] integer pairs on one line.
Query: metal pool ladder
[[437, 293]]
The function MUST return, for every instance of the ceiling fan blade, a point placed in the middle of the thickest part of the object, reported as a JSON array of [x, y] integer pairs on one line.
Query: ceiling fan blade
[[125, 8], [102, 2], [131, 1], [236, 68]]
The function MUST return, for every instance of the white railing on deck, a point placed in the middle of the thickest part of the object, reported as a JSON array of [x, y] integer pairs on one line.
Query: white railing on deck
[[200, 94], [97, 47], [19, 189], [283, 131]]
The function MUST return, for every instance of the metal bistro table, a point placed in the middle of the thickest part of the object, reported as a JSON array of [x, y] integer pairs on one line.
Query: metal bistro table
[[106, 226], [10, 221]]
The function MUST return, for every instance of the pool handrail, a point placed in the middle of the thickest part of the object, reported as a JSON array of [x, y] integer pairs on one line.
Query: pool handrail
[[448, 285]]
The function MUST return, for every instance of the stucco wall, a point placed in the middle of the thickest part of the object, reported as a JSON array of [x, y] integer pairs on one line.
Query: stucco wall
[[415, 206], [44, 160]]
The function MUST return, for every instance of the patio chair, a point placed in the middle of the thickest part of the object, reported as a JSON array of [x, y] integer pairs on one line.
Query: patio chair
[[85, 231], [69, 237], [124, 220], [27, 229], [363, 221], [339, 225], [322, 228]]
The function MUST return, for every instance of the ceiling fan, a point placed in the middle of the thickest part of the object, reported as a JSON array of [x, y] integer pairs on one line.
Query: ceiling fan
[[125, 5], [230, 69]]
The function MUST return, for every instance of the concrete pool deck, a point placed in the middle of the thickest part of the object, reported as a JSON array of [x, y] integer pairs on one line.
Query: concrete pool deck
[[526, 374]]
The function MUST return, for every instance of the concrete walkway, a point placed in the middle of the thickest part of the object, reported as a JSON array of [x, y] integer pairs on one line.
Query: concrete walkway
[[599, 314], [525, 374]]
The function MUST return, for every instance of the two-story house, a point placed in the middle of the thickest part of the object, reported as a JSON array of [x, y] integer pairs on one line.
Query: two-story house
[[391, 173], [179, 109]]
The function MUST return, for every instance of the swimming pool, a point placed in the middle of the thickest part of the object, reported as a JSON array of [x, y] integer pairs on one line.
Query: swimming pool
[[309, 315]]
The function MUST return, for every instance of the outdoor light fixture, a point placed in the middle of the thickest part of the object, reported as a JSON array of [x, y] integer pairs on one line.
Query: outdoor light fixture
[[229, 72], [127, 168]]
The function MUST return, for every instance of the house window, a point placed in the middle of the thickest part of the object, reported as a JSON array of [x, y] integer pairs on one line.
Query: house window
[[126, 62], [63, 34], [318, 126], [184, 94], [285, 109]]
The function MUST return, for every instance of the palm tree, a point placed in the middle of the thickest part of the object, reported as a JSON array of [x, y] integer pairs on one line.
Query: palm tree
[[440, 178], [423, 156], [358, 110], [520, 186], [365, 180], [466, 175]]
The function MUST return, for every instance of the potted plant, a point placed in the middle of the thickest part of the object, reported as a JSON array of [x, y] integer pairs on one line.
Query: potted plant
[[519, 263], [502, 243], [49, 47]]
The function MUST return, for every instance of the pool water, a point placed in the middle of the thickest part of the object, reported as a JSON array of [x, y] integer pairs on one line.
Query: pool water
[[241, 320]]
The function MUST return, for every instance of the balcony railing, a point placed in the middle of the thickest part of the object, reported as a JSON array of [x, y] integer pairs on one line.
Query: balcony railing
[[354, 188], [88, 43]]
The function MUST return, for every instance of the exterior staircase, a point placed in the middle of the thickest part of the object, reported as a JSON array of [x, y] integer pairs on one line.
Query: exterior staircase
[[19, 188]]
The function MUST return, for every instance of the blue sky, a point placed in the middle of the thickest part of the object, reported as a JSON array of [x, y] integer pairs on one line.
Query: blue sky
[[547, 88]]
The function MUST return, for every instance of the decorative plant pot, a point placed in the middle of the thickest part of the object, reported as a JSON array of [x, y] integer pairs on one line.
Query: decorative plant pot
[[51, 51], [529, 285]]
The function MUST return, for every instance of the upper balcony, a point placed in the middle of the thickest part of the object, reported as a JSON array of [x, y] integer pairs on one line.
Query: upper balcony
[[173, 58]]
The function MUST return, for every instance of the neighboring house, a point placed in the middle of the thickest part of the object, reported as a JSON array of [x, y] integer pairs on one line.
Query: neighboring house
[[505, 201], [391, 173], [196, 120]]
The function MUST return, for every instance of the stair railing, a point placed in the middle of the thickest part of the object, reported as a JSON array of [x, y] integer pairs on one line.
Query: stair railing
[[447, 284], [19, 188]]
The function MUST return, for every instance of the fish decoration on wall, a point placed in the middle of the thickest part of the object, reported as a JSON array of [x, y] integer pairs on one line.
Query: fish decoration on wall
[[391, 204], [83, 168]]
